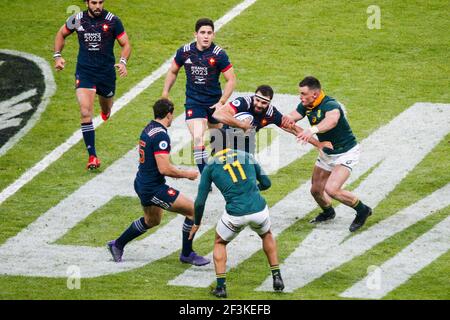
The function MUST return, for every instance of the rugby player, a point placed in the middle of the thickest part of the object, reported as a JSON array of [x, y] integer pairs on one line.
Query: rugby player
[[97, 31]]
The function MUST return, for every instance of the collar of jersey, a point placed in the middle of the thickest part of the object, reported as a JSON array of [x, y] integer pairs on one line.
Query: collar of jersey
[[159, 124], [206, 50], [318, 100], [221, 152]]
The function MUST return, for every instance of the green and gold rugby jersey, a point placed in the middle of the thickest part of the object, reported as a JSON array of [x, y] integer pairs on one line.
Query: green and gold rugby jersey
[[341, 136], [236, 174]]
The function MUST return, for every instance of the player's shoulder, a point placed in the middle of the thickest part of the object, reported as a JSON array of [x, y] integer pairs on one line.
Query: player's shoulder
[[271, 110], [242, 101], [330, 103], [109, 16], [153, 131], [76, 17], [217, 50], [186, 47]]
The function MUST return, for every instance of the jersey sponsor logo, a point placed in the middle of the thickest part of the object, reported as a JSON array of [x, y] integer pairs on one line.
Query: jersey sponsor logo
[[27, 84], [105, 27], [93, 39], [171, 192], [189, 113], [199, 74], [163, 145], [236, 103], [188, 61]]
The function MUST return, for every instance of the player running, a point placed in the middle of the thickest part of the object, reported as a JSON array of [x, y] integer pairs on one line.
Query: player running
[[333, 167], [239, 178], [203, 62], [95, 73], [154, 193]]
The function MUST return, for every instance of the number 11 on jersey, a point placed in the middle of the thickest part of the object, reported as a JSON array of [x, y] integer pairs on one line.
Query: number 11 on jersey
[[230, 170]]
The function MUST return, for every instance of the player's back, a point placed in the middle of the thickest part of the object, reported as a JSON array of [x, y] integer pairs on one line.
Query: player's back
[[153, 140], [236, 174]]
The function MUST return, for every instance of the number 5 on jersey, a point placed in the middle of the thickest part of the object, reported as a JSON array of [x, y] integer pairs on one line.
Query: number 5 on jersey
[[142, 145]]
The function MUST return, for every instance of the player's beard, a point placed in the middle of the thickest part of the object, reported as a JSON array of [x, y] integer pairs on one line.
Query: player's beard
[[95, 14]]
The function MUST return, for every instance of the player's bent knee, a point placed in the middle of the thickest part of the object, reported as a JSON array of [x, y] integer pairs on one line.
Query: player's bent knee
[[264, 235], [152, 221], [315, 191], [332, 191]]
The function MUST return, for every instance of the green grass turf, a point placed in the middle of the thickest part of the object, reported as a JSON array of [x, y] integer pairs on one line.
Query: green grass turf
[[376, 73]]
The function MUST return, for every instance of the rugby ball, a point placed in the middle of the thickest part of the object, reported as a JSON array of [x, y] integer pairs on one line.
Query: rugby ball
[[244, 116]]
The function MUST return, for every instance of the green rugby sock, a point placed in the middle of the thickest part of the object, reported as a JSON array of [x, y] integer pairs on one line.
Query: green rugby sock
[[359, 207], [221, 279], [275, 269]]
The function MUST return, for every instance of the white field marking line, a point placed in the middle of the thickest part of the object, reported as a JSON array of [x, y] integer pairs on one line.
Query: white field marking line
[[405, 264], [50, 88], [97, 121], [381, 145], [23, 254], [327, 247], [15, 100]]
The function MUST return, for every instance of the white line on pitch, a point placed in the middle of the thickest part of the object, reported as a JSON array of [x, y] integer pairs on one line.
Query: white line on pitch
[[119, 104]]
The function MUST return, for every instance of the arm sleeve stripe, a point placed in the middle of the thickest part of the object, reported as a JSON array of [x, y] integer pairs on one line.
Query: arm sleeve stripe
[[120, 35], [226, 68], [161, 152], [233, 107]]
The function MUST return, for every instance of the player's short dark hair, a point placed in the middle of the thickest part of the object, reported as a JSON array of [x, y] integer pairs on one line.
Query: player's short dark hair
[[162, 107], [310, 82], [265, 90], [203, 22]]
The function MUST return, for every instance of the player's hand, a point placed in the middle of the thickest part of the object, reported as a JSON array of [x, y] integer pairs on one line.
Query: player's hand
[[218, 106], [324, 145], [191, 174], [122, 69], [59, 63], [247, 125], [287, 122], [304, 136], [193, 231]]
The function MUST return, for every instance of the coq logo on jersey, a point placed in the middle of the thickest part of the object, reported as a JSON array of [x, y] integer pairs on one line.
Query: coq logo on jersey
[[26, 83]]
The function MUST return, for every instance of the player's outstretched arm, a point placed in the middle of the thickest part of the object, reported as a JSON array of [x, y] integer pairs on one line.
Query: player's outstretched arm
[[263, 179], [60, 40], [125, 53], [171, 77], [169, 170], [202, 195], [329, 122]]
